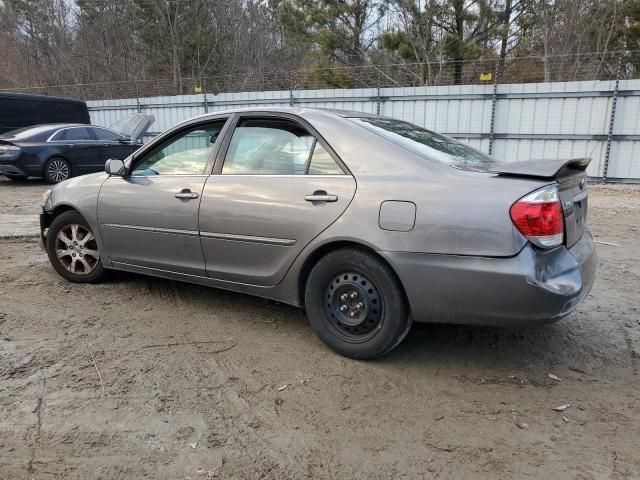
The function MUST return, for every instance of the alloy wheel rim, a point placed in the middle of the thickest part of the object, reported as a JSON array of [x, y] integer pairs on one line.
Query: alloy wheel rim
[[353, 306], [58, 170], [76, 249]]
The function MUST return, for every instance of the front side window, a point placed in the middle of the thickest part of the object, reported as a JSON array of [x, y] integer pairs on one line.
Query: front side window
[[186, 154], [427, 143]]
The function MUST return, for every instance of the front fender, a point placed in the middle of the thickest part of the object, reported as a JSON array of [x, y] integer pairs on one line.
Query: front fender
[[79, 194]]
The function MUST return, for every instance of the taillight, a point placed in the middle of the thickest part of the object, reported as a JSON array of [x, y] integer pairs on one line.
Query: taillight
[[9, 152], [539, 217]]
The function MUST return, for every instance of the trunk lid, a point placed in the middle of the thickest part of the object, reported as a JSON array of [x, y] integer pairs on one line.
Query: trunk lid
[[133, 126], [571, 176]]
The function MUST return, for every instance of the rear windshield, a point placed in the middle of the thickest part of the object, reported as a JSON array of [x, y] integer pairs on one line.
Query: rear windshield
[[37, 133], [427, 143]]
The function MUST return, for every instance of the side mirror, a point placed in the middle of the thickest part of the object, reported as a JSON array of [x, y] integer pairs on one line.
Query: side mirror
[[113, 166]]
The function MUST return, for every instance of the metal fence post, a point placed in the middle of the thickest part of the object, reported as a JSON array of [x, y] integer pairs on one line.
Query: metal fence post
[[378, 100], [291, 89], [138, 104], [612, 120], [204, 98], [494, 98]]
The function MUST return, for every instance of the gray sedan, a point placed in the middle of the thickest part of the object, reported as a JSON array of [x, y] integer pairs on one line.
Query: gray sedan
[[367, 222]]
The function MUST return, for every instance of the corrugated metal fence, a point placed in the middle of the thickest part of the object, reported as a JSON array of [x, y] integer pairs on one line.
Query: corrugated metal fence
[[597, 119]]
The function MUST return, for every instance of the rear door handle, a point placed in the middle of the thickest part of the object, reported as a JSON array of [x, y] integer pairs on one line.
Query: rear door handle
[[186, 194], [321, 196]]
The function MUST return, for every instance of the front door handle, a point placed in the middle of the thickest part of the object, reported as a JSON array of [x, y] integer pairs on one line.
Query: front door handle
[[186, 194], [321, 196]]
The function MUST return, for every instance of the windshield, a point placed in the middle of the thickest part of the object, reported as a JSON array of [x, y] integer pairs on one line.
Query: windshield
[[427, 143]]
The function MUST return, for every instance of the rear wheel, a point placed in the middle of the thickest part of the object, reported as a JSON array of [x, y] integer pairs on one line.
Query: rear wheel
[[73, 250], [356, 304], [57, 170]]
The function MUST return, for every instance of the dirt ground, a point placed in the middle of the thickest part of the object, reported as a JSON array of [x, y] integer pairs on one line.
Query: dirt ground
[[139, 377]]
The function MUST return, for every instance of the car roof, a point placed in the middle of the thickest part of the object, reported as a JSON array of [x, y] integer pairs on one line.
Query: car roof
[[54, 126], [300, 111], [38, 132], [39, 98]]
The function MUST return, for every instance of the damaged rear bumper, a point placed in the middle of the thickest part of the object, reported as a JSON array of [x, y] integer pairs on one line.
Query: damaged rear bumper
[[535, 286]]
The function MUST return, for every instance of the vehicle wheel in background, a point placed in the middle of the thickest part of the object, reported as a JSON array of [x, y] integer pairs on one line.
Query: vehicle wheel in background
[[57, 170], [73, 250], [356, 305]]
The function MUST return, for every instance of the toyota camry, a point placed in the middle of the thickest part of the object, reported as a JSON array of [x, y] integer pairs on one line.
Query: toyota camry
[[369, 223]]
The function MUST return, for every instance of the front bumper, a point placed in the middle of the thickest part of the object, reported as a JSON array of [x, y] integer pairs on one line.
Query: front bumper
[[45, 220], [535, 286]]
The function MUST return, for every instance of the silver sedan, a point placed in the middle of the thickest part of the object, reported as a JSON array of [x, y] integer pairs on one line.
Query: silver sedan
[[367, 222]]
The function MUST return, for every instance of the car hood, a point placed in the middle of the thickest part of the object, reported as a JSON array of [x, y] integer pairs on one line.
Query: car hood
[[133, 126]]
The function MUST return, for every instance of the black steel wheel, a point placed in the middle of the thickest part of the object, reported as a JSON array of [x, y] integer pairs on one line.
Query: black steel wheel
[[73, 249], [356, 304], [354, 307]]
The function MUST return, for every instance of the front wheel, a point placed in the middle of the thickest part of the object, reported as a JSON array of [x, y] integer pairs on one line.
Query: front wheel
[[57, 170], [73, 250], [356, 305]]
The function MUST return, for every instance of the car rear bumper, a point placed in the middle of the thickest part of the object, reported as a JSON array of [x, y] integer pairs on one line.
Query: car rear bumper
[[535, 286], [11, 170]]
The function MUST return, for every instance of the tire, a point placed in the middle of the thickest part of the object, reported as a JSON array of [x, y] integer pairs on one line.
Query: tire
[[73, 250], [57, 170], [365, 325]]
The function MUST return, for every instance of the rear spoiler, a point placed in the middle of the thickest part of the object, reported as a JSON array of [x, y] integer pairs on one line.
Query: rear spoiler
[[542, 168]]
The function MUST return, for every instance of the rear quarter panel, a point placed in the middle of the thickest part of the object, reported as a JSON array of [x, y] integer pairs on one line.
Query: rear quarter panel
[[35, 155], [457, 212]]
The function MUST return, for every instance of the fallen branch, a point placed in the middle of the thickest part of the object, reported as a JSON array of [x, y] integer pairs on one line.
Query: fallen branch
[[178, 344], [606, 243], [220, 350], [442, 449], [95, 365]]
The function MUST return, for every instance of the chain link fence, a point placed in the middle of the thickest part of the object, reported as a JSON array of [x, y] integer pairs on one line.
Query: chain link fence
[[530, 69]]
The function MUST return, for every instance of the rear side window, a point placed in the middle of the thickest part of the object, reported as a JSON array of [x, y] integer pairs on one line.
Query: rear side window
[[428, 144], [322, 163], [78, 133], [104, 134], [276, 147], [268, 147]]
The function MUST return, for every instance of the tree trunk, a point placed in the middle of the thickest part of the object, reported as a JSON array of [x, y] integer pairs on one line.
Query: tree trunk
[[458, 57], [504, 40], [547, 72]]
